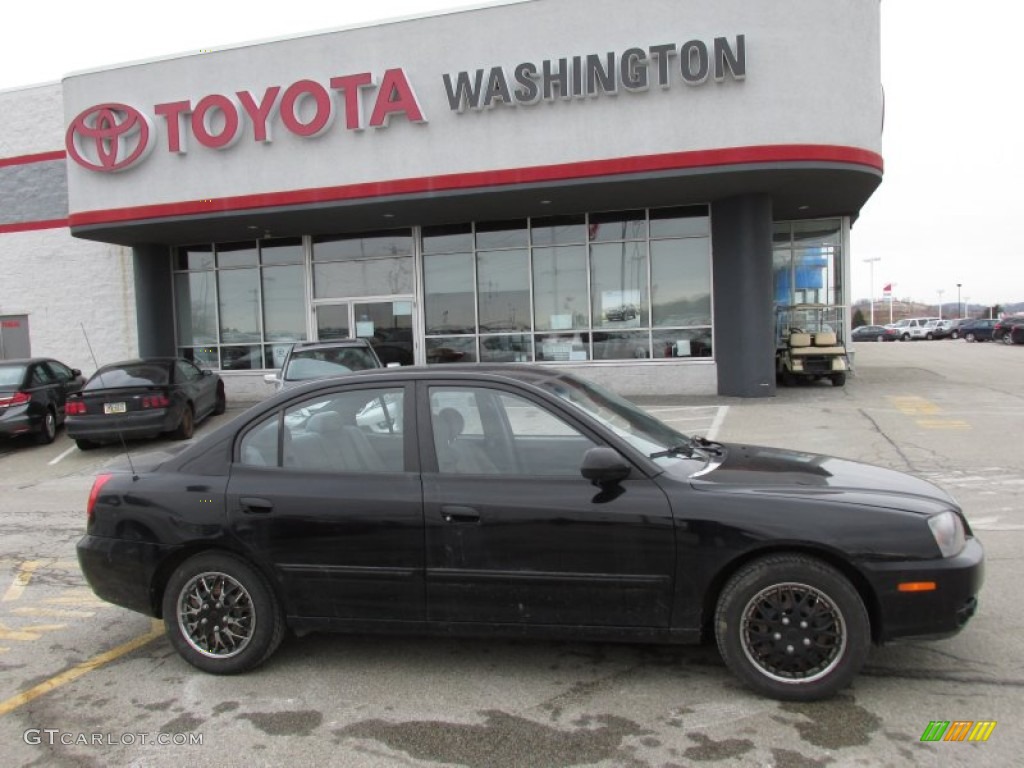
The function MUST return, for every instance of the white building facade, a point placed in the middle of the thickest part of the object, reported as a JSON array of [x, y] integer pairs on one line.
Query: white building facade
[[556, 181]]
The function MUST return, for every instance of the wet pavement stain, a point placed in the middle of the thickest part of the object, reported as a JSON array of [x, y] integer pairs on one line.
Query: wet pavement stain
[[787, 758], [182, 724], [504, 740], [709, 749], [225, 706], [299, 723], [834, 724], [159, 706]]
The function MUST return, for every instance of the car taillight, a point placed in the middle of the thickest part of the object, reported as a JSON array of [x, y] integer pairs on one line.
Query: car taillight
[[18, 398], [155, 401], [74, 407], [97, 486]]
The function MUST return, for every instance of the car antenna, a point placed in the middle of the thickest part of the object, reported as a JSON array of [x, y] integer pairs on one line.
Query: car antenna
[[120, 434]]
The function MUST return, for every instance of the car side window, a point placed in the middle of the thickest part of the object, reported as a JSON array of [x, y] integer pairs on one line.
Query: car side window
[[352, 431], [40, 376], [60, 371], [259, 446], [480, 431], [187, 371]]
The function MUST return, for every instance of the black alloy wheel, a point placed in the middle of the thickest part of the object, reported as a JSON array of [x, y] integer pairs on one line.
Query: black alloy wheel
[[187, 425], [792, 627], [221, 615]]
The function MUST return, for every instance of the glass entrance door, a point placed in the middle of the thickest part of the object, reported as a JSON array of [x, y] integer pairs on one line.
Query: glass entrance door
[[387, 323]]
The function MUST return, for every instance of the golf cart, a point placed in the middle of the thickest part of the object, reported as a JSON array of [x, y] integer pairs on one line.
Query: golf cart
[[806, 345]]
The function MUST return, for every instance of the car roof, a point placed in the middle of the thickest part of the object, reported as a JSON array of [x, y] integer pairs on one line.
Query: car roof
[[330, 344], [27, 360]]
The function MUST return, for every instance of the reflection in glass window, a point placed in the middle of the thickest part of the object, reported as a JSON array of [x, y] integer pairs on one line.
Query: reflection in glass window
[[563, 347], [507, 348], [619, 284], [451, 238], [560, 288], [332, 322], [559, 230], [366, 245], [284, 301], [629, 345], [618, 225], [449, 288], [451, 349], [681, 282], [239, 305], [503, 282], [247, 358], [365, 277], [284, 250], [195, 257], [237, 255], [501, 234], [691, 221], [684, 343], [195, 296]]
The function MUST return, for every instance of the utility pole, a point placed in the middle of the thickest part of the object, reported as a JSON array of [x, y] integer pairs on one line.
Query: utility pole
[[940, 291], [958, 312], [871, 276]]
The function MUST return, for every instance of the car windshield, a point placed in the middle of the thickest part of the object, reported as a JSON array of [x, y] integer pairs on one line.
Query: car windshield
[[655, 439], [129, 375], [11, 375], [319, 363]]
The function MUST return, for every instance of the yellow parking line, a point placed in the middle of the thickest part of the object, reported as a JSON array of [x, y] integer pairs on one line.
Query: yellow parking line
[[58, 613], [943, 424], [156, 629], [21, 580]]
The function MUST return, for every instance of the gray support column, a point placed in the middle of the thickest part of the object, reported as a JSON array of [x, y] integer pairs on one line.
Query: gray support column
[[741, 236], [154, 295]]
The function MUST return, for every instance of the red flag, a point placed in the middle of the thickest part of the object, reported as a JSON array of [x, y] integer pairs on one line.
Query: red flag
[[887, 288]]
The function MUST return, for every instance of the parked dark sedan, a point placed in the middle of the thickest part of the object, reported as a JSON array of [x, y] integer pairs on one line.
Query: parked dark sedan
[[1003, 329], [143, 398], [33, 392], [874, 333], [977, 330], [523, 501]]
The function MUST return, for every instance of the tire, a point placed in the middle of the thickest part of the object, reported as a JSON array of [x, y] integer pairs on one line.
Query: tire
[[86, 445], [1007, 339], [222, 402], [838, 379], [905, 337], [929, 336], [48, 429], [880, 338], [954, 335], [187, 426], [970, 337], [230, 593], [767, 653], [788, 379]]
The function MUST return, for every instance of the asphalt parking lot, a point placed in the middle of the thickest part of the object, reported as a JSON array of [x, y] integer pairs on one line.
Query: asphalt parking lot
[[86, 683]]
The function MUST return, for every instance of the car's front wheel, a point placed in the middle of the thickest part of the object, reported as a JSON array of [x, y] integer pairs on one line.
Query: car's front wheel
[[187, 425], [48, 429], [905, 337], [970, 337], [792, 627], [221, 614], [955, 335]]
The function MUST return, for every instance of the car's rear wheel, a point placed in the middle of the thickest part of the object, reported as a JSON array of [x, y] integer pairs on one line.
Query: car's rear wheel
[[955, 335], [222, 402], [792, 627], [221, 615], [48, 429], [929, 336], [187, 425], [905, 337], [880, 337], [970, 337]]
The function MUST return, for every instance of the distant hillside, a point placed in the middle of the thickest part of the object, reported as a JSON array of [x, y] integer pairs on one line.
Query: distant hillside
[[901, 309]]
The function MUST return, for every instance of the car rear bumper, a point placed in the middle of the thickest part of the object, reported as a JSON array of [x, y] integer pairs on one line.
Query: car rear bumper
[[19, 420], [939, 612], [131, 426], [120, 571]]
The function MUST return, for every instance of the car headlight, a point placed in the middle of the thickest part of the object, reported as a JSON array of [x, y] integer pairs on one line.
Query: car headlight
[[948, 530]]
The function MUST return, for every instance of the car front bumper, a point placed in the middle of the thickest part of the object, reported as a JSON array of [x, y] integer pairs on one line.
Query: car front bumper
[[938, 612]]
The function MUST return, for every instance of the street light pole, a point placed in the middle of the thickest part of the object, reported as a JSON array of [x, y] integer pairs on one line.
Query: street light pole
[[958, 312], [871, 276], [940, 291]]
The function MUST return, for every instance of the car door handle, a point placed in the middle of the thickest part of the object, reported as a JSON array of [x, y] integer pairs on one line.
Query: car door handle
[[252, 505], [453, 513]]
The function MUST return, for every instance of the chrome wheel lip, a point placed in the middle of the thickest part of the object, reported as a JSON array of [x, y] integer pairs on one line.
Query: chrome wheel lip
[[238, 619], [750, 616]]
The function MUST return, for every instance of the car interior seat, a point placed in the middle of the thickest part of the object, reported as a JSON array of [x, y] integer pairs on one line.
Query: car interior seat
[[453, 454]]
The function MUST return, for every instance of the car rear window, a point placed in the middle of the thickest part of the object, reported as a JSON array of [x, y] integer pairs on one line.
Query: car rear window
[[11, 375], [134, 375], [319, 363]]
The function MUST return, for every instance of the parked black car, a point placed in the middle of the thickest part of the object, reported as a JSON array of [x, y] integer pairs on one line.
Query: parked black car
[[874, 333], [524, 501], [978, 330], [1002, 330], [33, 392], [143, 398]]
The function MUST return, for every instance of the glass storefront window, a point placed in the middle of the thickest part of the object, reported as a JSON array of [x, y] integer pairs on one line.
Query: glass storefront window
[[503, 284], [332, 322], [686, 343], [195, 295], [501, 234], [560, 288], [507, 348], [284, 250], [563, 347], [239, 296], [691, 221], [284, 301], [627, 345], [807, 262], [195, 257], [558, 230], [618, 225], [367, 245], [448, 239], [448, 281], [452, 349], [237, 255], [680, 282], [618, 275], [371, 264]]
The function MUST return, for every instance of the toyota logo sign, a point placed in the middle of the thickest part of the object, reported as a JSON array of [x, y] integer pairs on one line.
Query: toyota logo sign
[[109, 137]]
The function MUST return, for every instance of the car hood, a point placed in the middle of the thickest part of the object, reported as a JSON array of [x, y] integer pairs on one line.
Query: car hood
[[760, 469]]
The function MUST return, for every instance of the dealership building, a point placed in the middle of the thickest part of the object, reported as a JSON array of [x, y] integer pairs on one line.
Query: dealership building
[[624, 190]]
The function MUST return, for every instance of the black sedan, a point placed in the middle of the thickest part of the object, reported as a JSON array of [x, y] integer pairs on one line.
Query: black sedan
[[978, 330], [874, 333], [523, 501], [143, 398], [33, 393]]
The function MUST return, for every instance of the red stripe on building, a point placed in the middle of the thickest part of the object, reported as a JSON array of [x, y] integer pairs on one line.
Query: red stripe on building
[[781, 153], [29, 226], [42, 157]]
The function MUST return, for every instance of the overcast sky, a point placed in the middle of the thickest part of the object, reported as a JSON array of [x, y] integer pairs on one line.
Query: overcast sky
[[947, 212]]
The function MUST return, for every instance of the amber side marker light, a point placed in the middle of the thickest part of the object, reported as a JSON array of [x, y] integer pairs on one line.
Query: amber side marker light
[[917, 586]]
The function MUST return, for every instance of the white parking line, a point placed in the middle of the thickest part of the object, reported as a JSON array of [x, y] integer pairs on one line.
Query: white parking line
[[66, 453], [717, 423]]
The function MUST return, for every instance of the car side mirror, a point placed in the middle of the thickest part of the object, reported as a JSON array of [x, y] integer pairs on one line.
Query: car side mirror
[[604, 466], [270, 378], [394, 365], [76, 372], [206, 372]]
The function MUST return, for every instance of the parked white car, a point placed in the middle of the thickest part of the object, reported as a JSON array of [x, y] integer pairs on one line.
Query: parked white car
[[916, 328]]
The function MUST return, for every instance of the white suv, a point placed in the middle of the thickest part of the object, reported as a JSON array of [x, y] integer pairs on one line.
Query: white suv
[[916, 328]]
